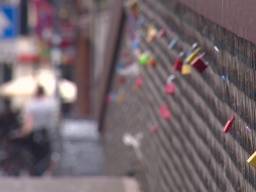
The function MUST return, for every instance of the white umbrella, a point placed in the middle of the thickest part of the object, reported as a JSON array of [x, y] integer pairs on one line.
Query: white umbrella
[[25, 86], [21, 87]]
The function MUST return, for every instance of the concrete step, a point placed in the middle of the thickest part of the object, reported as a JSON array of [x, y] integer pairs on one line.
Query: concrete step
[[82, 152], [79, 184]]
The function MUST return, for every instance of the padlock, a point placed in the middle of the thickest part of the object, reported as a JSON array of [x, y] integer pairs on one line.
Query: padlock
[[186, 69], [144, 58], [229, 124], [170, 88], [165, 112], [139, 82], [151, 34], [152, 62], [154, 129], [178, 64], [170, 78], [189, 59], [199, 64], [252, 160], [173, 43]]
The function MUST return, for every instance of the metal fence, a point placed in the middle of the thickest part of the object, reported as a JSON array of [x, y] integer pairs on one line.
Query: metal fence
[[190, 152]]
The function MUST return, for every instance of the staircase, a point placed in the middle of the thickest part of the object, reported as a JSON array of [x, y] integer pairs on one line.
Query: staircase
[[69, 184]]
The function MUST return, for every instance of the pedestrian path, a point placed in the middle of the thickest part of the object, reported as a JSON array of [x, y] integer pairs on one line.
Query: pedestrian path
[[82, 152], [80, 167], [68, 184]]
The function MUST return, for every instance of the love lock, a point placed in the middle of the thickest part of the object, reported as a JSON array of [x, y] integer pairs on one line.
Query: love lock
[[189, 59], [252, 159], [229, 124], [186, 69], [144, 58], [165, 112], [152, 62], [152, 34], [139, 82], [154, 129], [178, 65], [179, 62], [173, 43], [170, 87], [199, 64]]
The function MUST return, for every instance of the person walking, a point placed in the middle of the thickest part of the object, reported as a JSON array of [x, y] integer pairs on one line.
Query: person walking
[[39, 117]]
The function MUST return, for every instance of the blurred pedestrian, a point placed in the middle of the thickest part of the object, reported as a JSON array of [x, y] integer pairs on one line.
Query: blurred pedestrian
[[38, 118], [9, 118]]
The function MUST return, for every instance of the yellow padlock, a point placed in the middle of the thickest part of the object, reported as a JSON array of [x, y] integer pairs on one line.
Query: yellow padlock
[[151, 34], [192, 55], [252, 159], [186, 69]]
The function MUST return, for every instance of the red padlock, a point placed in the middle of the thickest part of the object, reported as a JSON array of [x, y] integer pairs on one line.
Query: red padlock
[[178, 65], [229, 124], [199, 64]]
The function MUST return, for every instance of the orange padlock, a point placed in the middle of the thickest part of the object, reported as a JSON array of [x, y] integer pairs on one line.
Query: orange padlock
[[152, 62]]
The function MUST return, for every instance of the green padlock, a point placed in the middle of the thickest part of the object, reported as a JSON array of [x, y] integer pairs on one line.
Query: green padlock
[[144, 59]]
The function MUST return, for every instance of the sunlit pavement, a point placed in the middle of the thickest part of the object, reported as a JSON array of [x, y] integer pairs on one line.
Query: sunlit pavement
[[69, 184]]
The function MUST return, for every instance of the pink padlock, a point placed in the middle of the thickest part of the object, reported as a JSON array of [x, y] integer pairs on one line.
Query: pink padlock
[[165, 112], [170, 88], [139, 82], [154, 129]]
